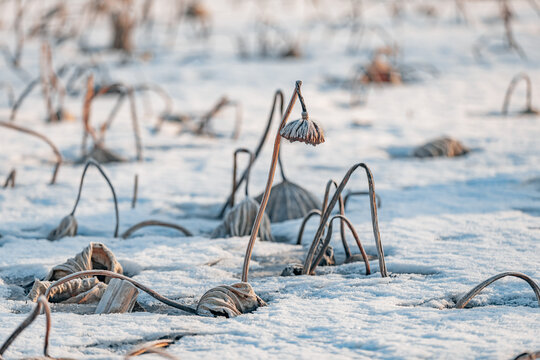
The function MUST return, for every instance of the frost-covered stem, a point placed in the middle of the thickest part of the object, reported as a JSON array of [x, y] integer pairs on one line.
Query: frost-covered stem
[[271, 173], [278, 95], [135, 191], [329, 237], [31, 85], [461, 303], [111, 274], [328, 211], [146, 223], [96, 164], [235, 166], [167, 100], [42, 137], [308, 216], [45, 76], [42, 303], [10, 180], [88, 130], [510, 91]]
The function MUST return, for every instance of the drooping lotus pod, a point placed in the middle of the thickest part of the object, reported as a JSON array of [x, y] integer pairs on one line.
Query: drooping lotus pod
[[443, 146], [67, 227], [239, 220], [229, 301]]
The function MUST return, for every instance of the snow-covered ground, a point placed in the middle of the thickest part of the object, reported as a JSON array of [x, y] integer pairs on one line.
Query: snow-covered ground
[[446, 223]]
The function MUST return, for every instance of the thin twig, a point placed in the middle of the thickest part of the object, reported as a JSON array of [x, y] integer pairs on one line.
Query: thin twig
[[358, 193], [10, 180], [235, 167], [135, 191], [510, 91]]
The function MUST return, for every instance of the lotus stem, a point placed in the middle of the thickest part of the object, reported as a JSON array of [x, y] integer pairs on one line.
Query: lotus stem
[[10, 180], [57, 153], [42, 303], [278, 95], [461, 303], [135, 123], [327, 213], [271, 173], [308, 216], [359, 193], [205, 119], [510, 91], [135, 191], [235, 160], [528, 356], [111, 274], [329, 237], [341, 212], [46, 77], [27, 90], [96, 164], [146, 223]]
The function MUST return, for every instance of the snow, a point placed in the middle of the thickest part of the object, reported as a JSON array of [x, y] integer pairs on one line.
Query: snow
[[446, 224]]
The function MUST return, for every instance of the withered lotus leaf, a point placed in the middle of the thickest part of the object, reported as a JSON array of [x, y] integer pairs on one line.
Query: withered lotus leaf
[[76, 291], [443, 146], [229, 301], [67, 227], [239, 221]]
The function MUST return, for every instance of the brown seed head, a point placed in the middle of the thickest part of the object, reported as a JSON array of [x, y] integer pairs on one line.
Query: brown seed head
[[304, 130]]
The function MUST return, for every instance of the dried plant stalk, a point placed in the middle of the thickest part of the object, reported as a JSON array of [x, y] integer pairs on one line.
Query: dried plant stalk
[[111, 274], [42, 137], [304, 223], [27, 90], [271, 173], [135, 191], [102, 172], [222, 102], [528, 356], [278, 95], [146, 223], [464, 300], [507, 16], [9, 93], [41, 304], [528, 102], [326, 215], [10, 180], [326, 243]]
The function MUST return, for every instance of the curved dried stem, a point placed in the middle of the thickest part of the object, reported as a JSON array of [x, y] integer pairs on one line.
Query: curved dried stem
[[10, 180], [360, 193], [96, 164], [510, 91], [235, 166], [100, 138], [341, 212], [278, 95], [146, 223], [308, 216], [55, 150], [528, 356], [326, 242], [27, 90], [266, 195], [328, 211], [42, 303], [167, 100], [111, 274], [135, 191], [463, 301]]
